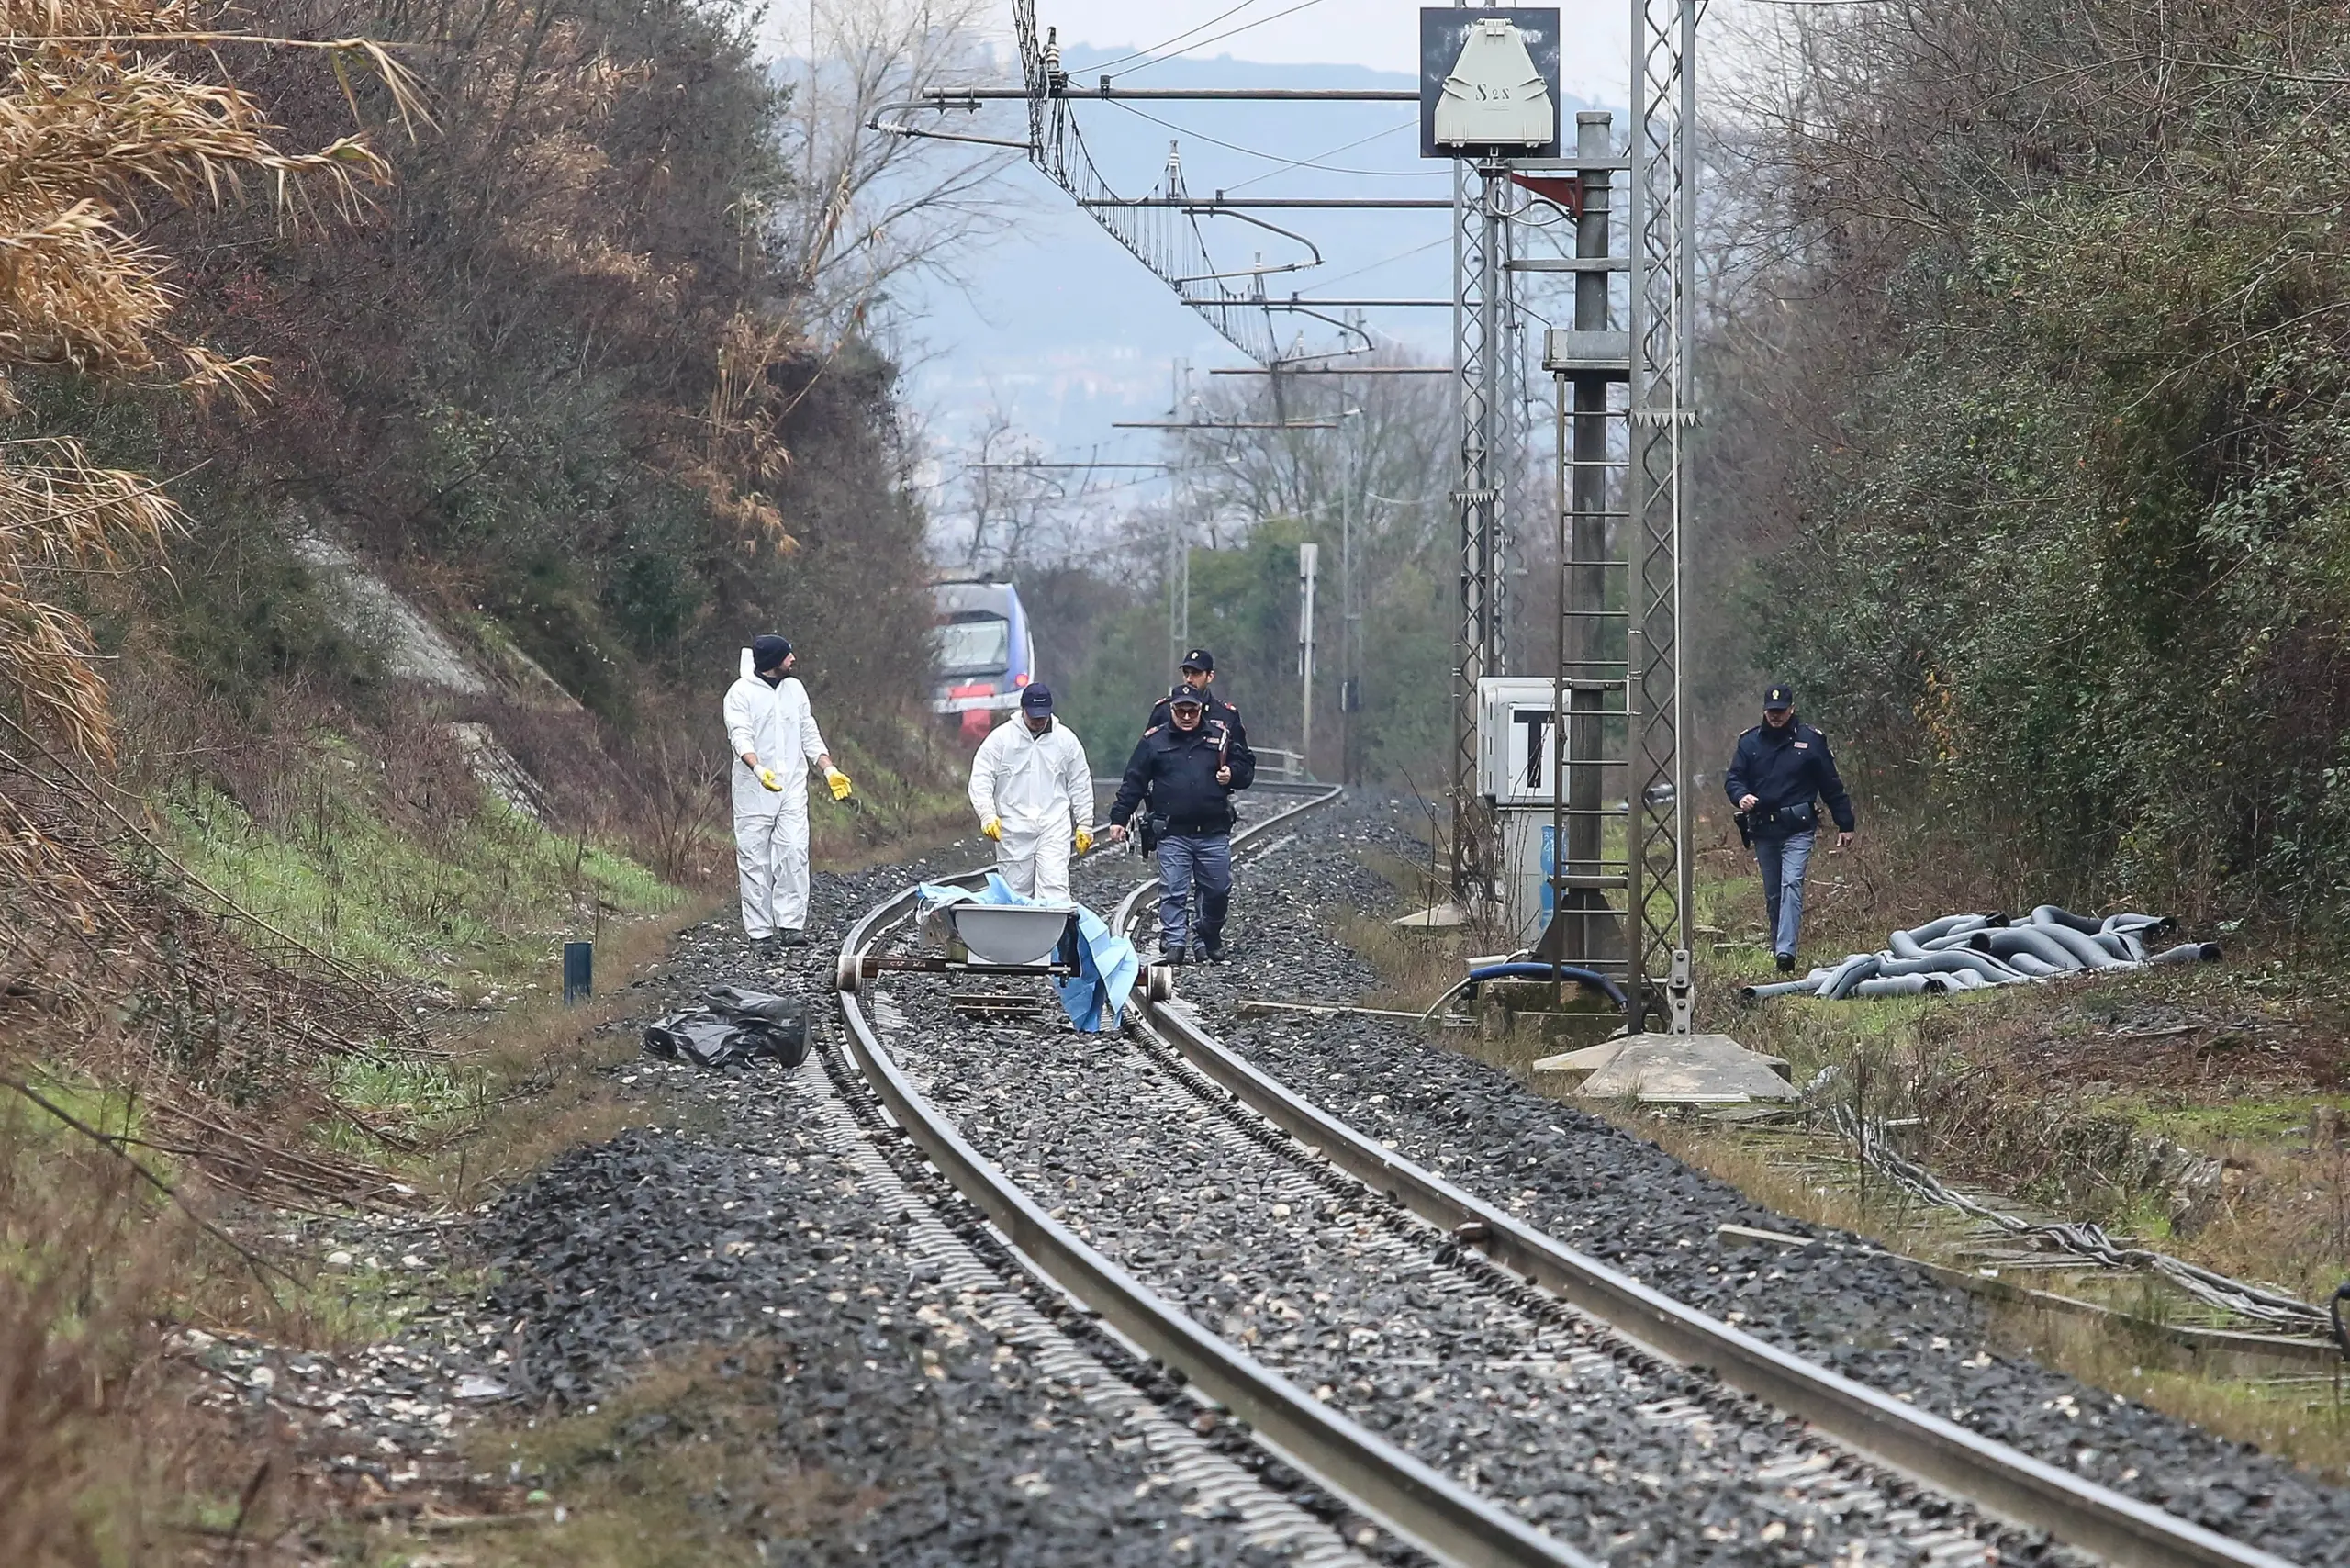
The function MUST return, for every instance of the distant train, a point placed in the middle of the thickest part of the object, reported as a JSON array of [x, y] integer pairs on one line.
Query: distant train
[[985, 653]]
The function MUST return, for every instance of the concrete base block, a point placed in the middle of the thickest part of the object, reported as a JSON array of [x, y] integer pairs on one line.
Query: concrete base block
[[1674, 1069]]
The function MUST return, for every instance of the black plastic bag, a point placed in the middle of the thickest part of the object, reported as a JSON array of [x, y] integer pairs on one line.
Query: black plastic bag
[[784, 1019], [756, 1006], [736, 1026]]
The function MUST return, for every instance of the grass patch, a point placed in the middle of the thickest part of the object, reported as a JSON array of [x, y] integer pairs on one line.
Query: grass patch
[[538, 1075], [672, 1472], [488, 888], [2300, 1417]]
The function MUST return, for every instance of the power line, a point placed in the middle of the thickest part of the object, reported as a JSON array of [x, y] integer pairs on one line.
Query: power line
[[1275, 157], [1309, 161], [1235, 32]]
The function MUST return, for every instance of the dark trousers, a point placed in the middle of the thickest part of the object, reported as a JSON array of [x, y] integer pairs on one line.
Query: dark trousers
[[1185, 862], [1782, 862]]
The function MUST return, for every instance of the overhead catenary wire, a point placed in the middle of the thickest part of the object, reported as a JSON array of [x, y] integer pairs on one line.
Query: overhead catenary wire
[[1169, 42], [1229, 33], [1389, 261], [1275, 157], [1312, 161]]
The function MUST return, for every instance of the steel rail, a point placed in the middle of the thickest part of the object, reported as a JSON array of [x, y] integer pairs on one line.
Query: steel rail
[[2002, 1481], [1418, 1502]]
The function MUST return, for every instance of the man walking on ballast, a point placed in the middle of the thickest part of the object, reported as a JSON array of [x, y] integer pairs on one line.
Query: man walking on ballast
[[1181, 776], [773, 735], [1033, 792], [1781, 772]]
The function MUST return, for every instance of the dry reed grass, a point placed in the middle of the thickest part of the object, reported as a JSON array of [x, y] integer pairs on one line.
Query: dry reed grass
[[91, 124]]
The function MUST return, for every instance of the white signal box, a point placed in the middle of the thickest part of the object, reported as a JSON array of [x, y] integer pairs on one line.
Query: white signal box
[[1517, 742]]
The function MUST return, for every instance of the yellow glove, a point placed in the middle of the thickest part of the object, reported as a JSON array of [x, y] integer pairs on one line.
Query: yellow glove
[[768, 778], [1085, 841], [992, 828], [839, 781]]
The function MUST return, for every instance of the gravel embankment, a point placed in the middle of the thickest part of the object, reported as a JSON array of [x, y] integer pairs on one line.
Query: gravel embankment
[[1629, 1202], [981, 1427], [1530, 1405], [972, 1428]]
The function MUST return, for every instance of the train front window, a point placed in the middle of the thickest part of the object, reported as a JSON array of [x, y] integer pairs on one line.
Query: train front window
[[975, 648]]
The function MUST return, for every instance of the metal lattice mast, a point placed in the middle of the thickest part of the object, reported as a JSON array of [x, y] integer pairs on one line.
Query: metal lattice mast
[[1477, 293], [1662, 193], [1159, 229]]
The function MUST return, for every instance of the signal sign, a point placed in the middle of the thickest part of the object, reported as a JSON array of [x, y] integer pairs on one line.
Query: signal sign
[[1489, 83]]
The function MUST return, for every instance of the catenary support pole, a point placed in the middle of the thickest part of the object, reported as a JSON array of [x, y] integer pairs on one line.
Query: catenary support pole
[[1306, 558], [1661, 201], [1589, 932]]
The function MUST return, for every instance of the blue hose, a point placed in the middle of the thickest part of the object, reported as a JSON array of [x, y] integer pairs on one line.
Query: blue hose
[[1590, 979]]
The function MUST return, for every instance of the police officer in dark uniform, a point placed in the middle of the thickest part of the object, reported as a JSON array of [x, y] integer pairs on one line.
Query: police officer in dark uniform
[[1781, 772], [1198, 672], [1183, 774]]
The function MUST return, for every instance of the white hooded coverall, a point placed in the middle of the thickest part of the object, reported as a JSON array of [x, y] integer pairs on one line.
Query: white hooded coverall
[[771, 826], [1041, 789]]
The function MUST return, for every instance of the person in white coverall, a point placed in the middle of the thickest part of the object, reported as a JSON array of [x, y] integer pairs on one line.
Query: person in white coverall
[[773, 735], [1035, 796]]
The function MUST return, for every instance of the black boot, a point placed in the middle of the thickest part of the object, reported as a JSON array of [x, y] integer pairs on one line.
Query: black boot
[[791, 938], [1211, 949], [1786, 963], [1175, 956]]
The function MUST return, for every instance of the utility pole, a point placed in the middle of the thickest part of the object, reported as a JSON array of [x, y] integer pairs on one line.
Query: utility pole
[[1586, 927], [1179, 547], [1349, 609], [1477, 246], [1306, 556]]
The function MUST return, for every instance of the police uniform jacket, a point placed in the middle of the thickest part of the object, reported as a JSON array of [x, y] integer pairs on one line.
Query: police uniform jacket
[[1175, 771], [1785, 770]]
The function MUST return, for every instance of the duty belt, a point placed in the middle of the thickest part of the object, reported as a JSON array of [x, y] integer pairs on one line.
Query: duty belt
[[1790, 820]]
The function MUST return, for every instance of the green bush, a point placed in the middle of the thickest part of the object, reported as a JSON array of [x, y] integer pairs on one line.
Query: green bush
[[2070, 540]]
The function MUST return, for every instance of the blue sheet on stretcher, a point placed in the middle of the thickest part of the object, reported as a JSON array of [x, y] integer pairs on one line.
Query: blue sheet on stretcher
[[1106, 964]]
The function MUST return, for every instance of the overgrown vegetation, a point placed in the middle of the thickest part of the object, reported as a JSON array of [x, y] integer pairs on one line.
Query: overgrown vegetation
[[547, 340], [2031, 378]]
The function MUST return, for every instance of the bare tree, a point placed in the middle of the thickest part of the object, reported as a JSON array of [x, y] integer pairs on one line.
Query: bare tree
[[1014, 510], [874, 208]]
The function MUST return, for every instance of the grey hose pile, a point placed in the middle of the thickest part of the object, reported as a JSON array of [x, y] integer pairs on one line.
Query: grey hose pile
[[1970, 952], [2089, 1242]]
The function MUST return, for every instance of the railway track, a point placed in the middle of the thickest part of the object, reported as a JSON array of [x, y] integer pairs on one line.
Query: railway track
[[1488, 1393]]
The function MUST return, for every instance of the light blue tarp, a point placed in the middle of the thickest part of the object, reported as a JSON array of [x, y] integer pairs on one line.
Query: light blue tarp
[[1106, 964]]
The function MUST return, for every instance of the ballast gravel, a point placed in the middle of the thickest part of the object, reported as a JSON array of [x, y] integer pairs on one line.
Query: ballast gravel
[[745, 1223], [1626, 1201], [735, 1222], [1612, 1451]]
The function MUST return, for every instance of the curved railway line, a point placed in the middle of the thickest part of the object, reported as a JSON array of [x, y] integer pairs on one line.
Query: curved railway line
[[1488, 1393]]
